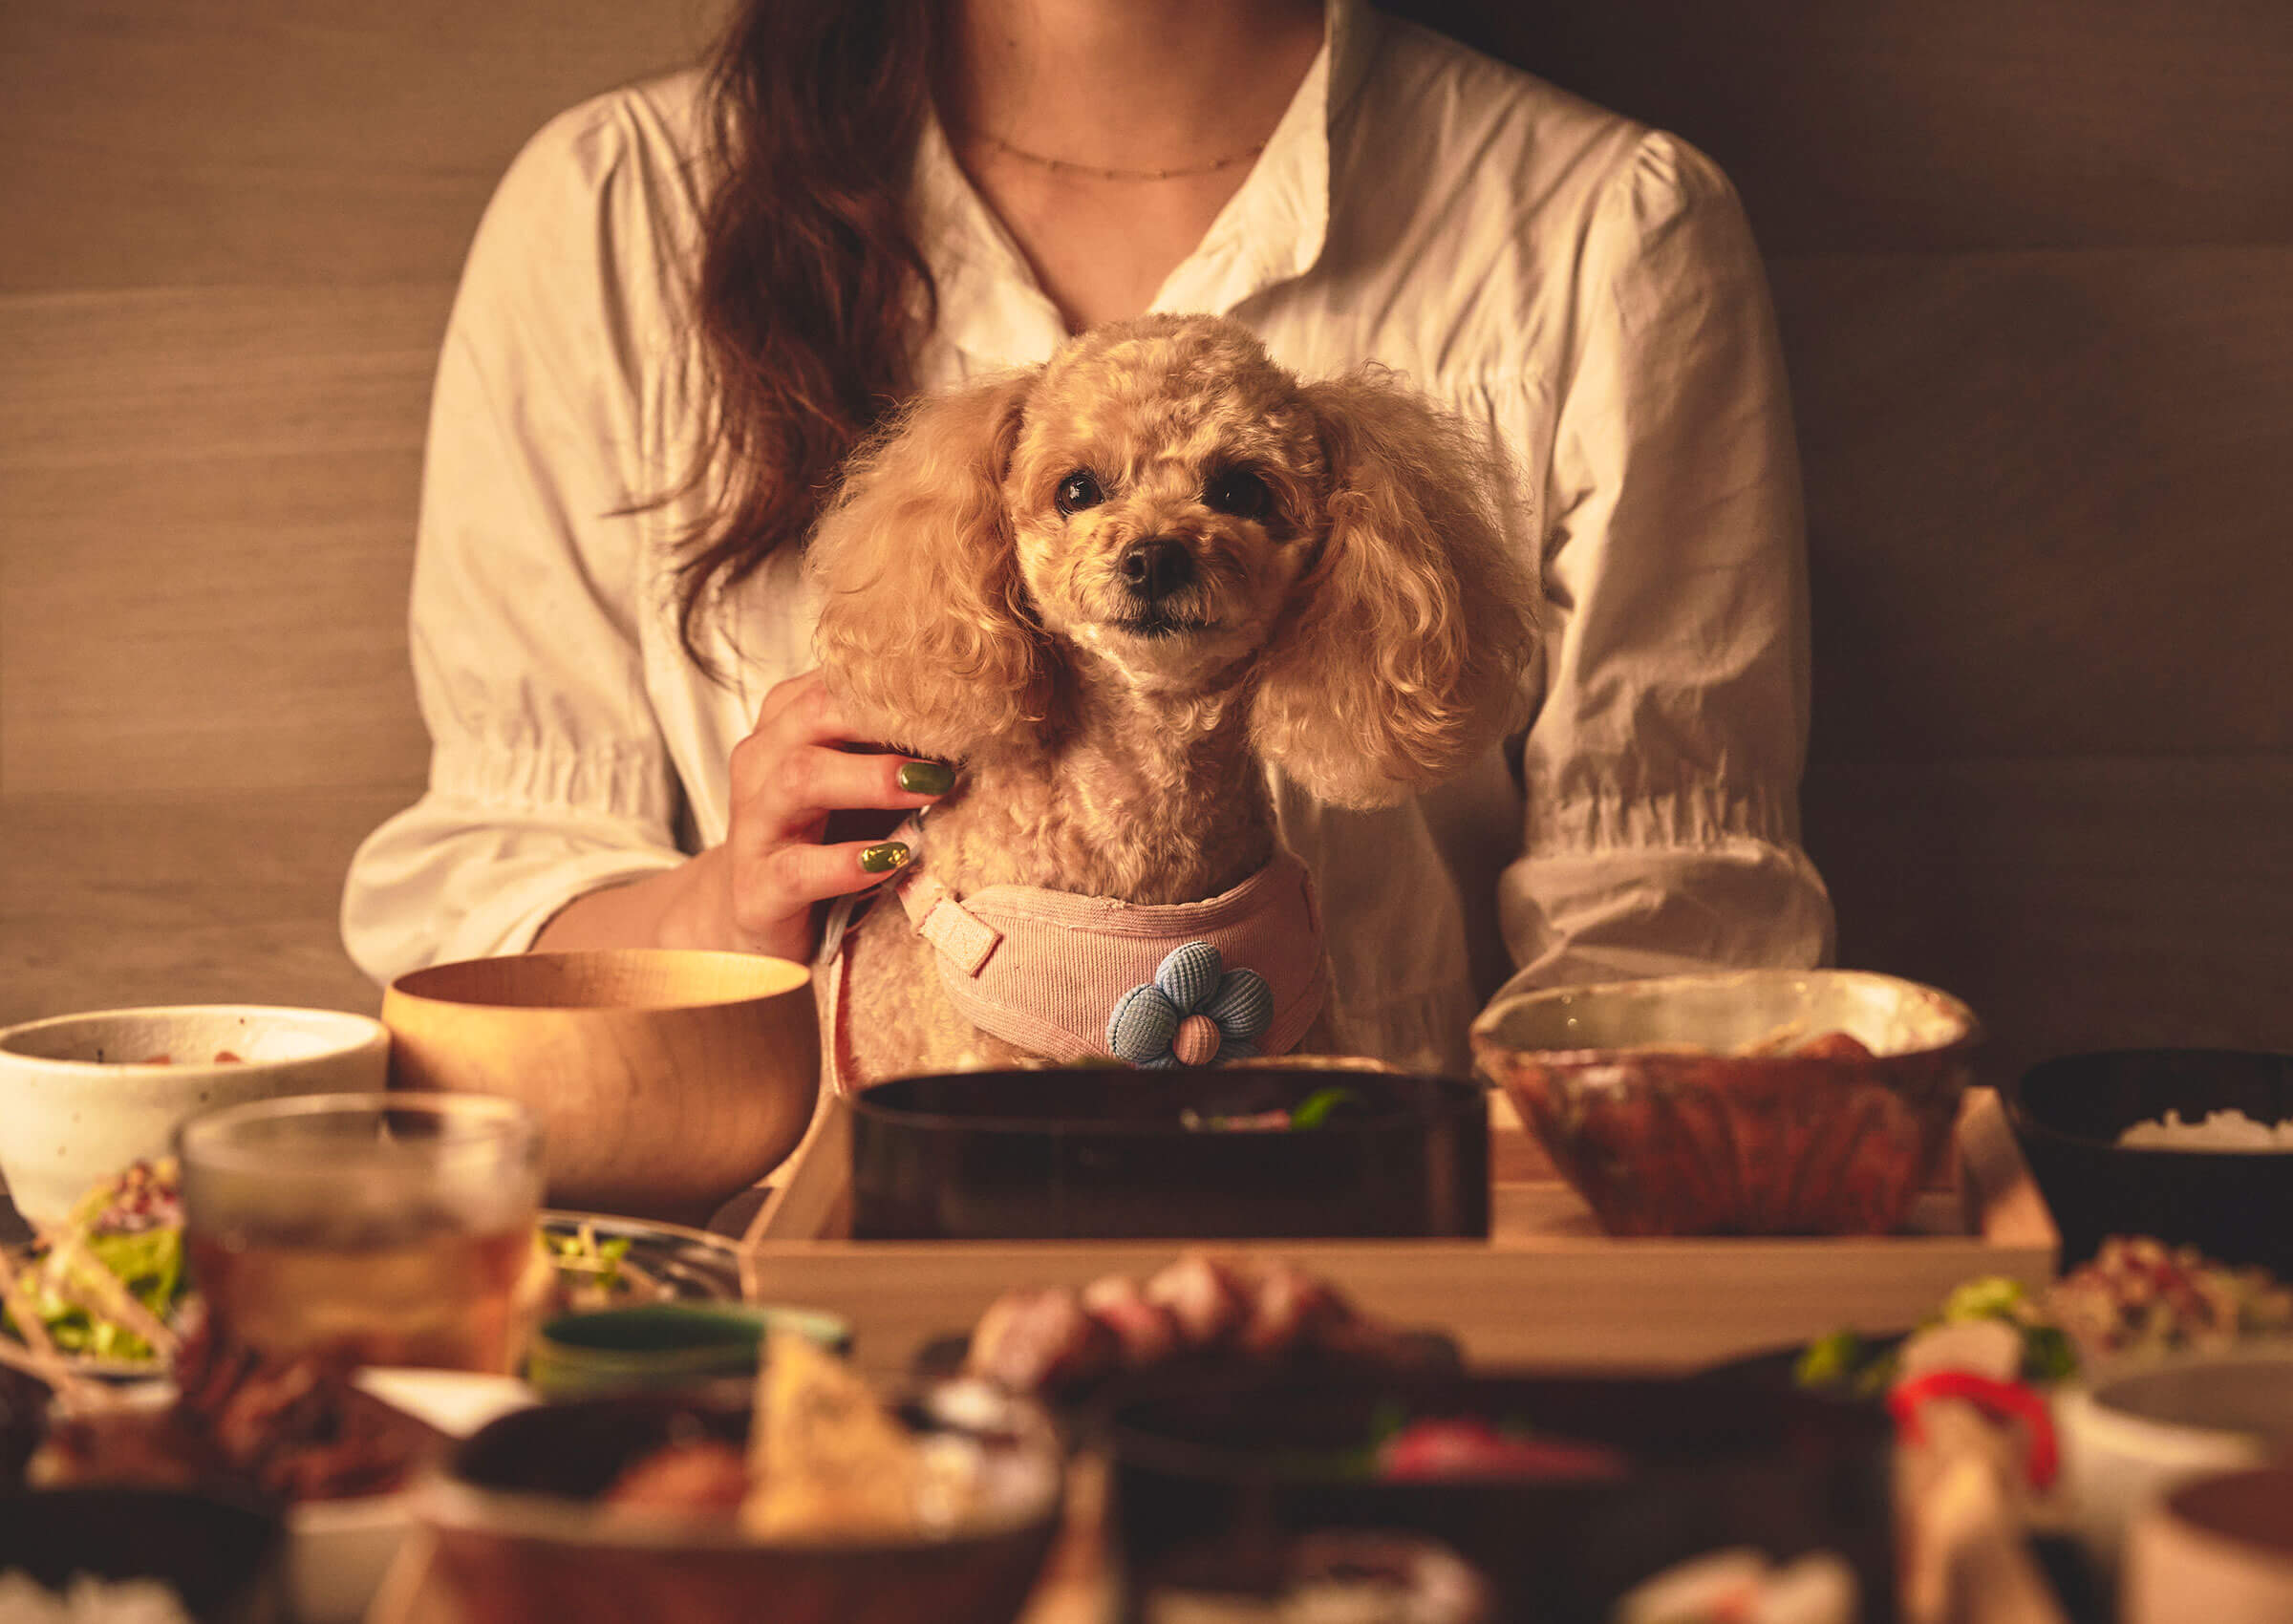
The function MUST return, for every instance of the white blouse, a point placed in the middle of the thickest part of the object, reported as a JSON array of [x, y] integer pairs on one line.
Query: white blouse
[[1585, 287]]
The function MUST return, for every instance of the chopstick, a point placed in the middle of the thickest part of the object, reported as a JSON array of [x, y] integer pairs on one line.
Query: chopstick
[[85, 1280], [71, 1388], [38, 1356], [29, 1324], [1966, 1562]]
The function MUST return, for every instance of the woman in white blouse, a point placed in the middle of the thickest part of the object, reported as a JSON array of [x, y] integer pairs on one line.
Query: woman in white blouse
[[689, 297]]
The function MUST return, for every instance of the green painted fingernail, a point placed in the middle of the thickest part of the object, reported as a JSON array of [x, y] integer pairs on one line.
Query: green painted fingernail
[[883, 859], [927, 778]]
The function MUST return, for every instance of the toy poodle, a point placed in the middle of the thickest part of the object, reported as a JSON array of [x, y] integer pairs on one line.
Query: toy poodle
[[1114, 589]]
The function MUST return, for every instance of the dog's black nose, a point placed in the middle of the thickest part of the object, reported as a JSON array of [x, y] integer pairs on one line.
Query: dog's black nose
[[1156, 568]]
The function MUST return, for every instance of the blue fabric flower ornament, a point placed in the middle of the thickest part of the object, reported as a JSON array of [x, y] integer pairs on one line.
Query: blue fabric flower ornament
[[1194, 1013]]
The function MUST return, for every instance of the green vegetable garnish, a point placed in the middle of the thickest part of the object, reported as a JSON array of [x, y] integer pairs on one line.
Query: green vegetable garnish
[[1828, 1361], [2048, 1355], [1990, 1296], [1315, 1108], [1843, 1359], [148, 1262], [2048, 1351]]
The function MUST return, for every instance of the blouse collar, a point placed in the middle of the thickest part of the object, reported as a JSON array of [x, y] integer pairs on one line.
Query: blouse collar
[[1272, 230]]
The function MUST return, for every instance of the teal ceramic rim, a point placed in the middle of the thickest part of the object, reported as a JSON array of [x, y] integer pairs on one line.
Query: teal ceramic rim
[[645, 1336]]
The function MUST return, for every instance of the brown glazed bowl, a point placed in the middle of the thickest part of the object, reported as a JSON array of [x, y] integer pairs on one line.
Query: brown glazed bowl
[[516, 1532], [666, 1082], [1643, 1096]]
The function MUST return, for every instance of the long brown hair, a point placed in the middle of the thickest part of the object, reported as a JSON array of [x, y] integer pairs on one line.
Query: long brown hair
[[811, 292]]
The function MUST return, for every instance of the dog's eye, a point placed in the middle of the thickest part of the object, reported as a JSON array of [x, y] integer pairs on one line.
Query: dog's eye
[[1240, 492], [1077, 492]]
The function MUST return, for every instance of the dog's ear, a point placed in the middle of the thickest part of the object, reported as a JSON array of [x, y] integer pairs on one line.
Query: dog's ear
[[1403, 652], [924, 634]]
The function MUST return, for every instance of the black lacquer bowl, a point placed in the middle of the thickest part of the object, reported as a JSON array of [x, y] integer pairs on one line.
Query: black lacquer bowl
[[1218, 1475], [222, 1558], [2234, 1206], [1103, 1153]]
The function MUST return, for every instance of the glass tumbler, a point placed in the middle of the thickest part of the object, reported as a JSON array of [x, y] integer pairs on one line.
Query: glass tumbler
[[384, 1227]]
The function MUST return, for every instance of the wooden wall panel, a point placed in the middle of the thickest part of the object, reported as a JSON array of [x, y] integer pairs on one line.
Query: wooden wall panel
[[115, 900], [235, 226], [2034, 263], [2045, 501], [1925, 125], [2034, 267], [212, 493], [2075, 903], [221, 141]]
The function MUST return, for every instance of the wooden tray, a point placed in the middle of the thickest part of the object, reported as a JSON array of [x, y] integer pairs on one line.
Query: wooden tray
[[1547, 1287]]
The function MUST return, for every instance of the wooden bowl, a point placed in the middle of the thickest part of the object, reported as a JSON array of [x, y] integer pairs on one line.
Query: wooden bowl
[[666, 1082]]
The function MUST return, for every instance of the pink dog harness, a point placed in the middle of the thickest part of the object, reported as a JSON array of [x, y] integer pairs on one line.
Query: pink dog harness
[[1074, 978]]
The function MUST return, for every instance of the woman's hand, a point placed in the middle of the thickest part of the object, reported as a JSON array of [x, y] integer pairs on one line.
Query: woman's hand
[[795, 767], [756, 891]]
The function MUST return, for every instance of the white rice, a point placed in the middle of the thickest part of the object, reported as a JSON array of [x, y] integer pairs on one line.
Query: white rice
[[89, 1600], [2222, 1130]]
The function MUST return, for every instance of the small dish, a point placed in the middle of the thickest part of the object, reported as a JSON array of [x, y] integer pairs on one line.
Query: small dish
[[337, 1550], [659, 1262], [664, 1345], [2142, 1431]]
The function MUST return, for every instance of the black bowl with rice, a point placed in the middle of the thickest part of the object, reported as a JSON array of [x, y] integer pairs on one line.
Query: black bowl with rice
[[2193, 1146]]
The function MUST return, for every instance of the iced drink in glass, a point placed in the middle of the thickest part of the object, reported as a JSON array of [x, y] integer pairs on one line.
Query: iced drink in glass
[[392, 1228]]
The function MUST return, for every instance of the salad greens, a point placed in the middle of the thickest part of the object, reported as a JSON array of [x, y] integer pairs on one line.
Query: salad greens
[[594, 1271], [149, 1263], [131, 1227], [1846, 1361]]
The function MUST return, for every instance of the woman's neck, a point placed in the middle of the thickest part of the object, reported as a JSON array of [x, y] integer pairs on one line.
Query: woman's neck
[[1130, 85], [1108, 134]]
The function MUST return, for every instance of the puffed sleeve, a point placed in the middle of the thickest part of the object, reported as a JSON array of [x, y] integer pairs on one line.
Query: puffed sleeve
[[1663, 770], [548, 774]]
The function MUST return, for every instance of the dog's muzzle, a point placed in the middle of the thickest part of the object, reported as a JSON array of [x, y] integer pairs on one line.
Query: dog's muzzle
[[1155, 569]]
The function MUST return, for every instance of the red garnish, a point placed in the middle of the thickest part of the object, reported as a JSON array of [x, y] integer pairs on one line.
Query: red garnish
[[1467, 1447], [2001, 1400]]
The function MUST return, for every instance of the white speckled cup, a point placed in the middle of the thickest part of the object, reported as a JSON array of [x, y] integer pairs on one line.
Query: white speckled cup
[[82, 1095]]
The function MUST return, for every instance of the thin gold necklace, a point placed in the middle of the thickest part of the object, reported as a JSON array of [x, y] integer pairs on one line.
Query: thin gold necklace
[[1061, 165]]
